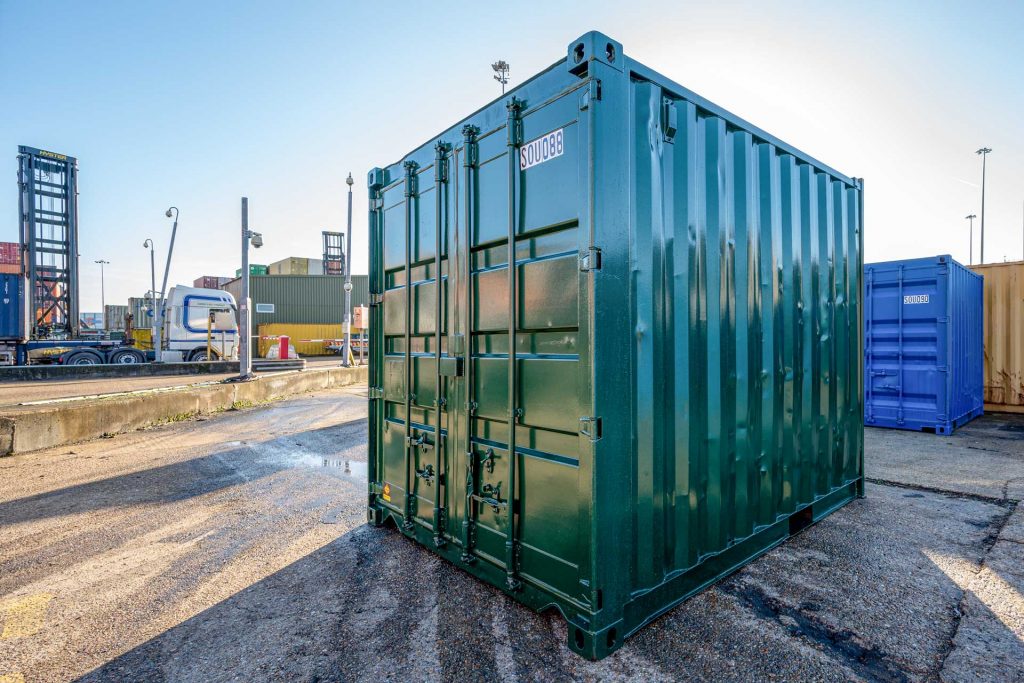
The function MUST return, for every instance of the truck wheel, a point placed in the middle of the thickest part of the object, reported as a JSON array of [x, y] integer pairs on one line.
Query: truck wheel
[[127, 357], [199, 355], [83, 357]]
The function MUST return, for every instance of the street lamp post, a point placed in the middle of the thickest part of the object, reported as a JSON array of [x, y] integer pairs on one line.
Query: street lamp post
[[152, 279], [158, 341], [245, 305], [984, 152], [103, 291], [971, 219], [348, 277]]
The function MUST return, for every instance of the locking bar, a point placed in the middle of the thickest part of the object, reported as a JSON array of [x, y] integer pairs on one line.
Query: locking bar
[[514, 129], [410, 215], [440, 180], [470, 159]]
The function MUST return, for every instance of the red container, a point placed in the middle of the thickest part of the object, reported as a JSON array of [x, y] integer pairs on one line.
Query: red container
[[10, 253], [10, 268], [209, 282]]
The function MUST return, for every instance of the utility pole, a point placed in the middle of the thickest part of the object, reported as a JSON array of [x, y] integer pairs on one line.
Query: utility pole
[[971, 219], [348, 277], [984, 152], [501, 73], [103, 292], [245, 305]]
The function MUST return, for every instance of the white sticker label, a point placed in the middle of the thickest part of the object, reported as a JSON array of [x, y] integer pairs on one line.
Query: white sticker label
[[915, 299], [542, 149]]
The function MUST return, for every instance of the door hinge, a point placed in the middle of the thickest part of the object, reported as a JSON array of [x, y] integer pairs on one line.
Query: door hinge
[[590, 427], [590, 260], [376, 299], [375, 392], [441, 150]]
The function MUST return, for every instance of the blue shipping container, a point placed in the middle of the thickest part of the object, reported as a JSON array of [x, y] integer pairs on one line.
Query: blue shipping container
[[922, 344], [12, 327]]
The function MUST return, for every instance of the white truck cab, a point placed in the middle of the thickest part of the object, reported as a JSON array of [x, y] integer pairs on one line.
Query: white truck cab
[[197, 320]]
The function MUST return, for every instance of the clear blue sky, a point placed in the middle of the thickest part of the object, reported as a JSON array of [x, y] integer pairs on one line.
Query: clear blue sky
[[198, 103]]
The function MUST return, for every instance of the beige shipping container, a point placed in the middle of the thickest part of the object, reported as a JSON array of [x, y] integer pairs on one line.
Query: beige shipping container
[[1004, 336], [293, 265]]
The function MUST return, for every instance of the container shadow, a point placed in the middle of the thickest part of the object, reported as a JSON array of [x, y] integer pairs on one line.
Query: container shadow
[[372, 605]]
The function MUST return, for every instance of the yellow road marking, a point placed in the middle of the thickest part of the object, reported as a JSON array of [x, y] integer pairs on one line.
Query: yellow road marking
[[12, 678], [25, 616]]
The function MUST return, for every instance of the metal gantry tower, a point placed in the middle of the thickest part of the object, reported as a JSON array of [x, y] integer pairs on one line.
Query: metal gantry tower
[[334, 253], [48, 217]]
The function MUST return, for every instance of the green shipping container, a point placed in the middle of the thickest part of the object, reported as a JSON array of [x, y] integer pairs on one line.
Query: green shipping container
[[684, 389], [254, 269]]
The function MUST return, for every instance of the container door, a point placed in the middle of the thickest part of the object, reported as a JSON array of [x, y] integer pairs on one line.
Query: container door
[[521, 196], [418, 371], [906, 362]]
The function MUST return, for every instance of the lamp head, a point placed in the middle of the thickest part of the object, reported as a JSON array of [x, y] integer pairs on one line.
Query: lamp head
[[168, 213]]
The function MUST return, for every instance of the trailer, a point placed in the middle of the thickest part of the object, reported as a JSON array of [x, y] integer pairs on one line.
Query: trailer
[[39, 309]]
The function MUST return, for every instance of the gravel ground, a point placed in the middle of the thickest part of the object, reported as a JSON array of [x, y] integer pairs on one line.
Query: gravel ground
[[233, 549]]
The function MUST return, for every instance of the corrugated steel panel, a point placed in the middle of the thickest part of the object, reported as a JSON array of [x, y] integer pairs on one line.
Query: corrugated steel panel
[[114, 316], [1004, 335], [10, 268], [922, 344], [12, 314], [316, 299], [668, 381]]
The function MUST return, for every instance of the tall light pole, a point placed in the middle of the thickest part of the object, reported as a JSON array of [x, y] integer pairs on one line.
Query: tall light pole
[[501, 73], [245, 305], [158, 346], [984, 152], [103, 291], [971, 219], [348, 277], [152, 279]]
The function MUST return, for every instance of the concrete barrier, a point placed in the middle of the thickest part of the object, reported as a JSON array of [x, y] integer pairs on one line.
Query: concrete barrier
[[30, 372], [31, 428]]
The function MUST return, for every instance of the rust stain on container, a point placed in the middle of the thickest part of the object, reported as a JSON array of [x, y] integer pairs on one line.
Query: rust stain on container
[[1004, 335]]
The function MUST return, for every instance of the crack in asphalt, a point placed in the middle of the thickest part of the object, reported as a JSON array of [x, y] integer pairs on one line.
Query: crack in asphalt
[[990, 539], [981, 498], [868, 661]]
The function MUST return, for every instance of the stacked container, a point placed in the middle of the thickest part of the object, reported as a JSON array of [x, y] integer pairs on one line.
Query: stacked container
[[922, 344], [10, 258]]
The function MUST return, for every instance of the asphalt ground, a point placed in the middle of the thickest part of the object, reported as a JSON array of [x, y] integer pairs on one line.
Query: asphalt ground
[[16, 393], [233, 549]]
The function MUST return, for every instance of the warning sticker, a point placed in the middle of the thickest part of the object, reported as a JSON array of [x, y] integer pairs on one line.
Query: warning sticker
[[386, 493]]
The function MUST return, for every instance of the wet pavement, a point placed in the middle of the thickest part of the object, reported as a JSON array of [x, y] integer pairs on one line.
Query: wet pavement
[[233, 549]]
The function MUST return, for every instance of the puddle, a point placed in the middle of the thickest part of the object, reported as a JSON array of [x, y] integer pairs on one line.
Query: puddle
[[350, 468]]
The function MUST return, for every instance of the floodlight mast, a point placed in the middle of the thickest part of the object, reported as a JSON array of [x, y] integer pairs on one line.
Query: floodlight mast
[[501, 73]]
